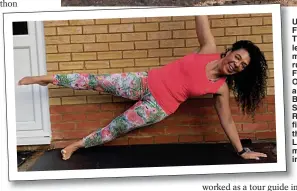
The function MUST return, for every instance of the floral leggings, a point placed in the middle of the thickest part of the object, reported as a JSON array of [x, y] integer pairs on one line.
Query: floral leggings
[[131, 85]]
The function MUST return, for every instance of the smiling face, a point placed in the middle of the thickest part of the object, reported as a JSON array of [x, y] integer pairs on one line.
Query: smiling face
[[235, 61]]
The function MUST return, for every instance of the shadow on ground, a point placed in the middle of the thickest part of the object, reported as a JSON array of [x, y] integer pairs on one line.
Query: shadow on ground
[[164, 155]]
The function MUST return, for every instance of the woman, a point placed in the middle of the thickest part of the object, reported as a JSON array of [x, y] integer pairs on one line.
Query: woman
[[159, 92]]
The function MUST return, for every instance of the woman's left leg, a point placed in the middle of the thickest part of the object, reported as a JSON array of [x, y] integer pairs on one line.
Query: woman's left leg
[[130, 85], [142, 113]]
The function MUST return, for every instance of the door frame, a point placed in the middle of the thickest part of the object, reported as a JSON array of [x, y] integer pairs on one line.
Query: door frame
[[39, 137]]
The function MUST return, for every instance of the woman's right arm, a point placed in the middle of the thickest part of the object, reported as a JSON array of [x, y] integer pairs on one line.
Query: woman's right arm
[[204, 35]]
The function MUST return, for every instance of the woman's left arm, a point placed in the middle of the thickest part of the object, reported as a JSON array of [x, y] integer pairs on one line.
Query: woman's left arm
[[224, 113]]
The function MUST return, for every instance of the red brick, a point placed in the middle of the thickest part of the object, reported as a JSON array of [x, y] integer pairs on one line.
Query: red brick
[[271, 108], [89, 125], [166, 139], [186, 119], [266, 135], [61, 144], [201, 111], [204, 129], [163, 122], [271, 125], [63, 126], [112, 106], [56, 118], [220, 129], [215, 138], [72, 135], [242, 118], [118, 141], [105, 122], [262, 108], [265, 117], [140, 140], [178, 130], [74, 117], [239, 126], [118, 112], [88, 108], [128, 105], [101, 115], [255, 127], [134, 132], [192, 122], [152, 130], [186, 122], [190, 138], [246, 135], [81, 108], [233, 102], [270, 99], [234, 109], [58, 109], [168, 122], [210, 119], [57, 136]]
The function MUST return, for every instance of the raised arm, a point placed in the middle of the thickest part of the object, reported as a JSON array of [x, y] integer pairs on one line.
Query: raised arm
[[204, 35], [223, 110]]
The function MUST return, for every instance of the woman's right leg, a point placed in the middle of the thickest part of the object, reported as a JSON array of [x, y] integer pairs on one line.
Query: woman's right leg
[[142, 113]]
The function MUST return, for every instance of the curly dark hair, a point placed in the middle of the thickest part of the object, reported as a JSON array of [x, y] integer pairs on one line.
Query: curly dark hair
[[249, 85]]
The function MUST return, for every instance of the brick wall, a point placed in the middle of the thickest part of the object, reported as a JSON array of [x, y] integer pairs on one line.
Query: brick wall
[[138, 44]]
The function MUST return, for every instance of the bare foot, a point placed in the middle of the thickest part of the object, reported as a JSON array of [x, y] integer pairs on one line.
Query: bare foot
[[70, 149], [41, 80]]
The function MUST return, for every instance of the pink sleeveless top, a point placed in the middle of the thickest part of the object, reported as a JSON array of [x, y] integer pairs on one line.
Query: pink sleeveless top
[[177, 81]]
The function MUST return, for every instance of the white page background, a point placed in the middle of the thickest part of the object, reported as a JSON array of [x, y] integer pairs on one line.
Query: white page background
[[192, 182]]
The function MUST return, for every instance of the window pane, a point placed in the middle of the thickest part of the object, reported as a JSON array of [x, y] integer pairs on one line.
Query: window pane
[[20, 28]]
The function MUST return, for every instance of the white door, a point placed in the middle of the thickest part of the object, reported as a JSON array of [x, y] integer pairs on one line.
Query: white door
[[32, 108]]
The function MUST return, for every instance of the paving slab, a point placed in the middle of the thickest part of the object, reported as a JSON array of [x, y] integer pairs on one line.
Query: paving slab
[[22, 156]]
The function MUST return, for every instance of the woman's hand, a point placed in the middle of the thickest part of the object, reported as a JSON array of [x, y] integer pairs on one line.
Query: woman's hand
[[253, 155]]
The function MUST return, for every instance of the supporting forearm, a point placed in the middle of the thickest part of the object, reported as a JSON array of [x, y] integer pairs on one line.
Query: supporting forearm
[[232, 133]]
